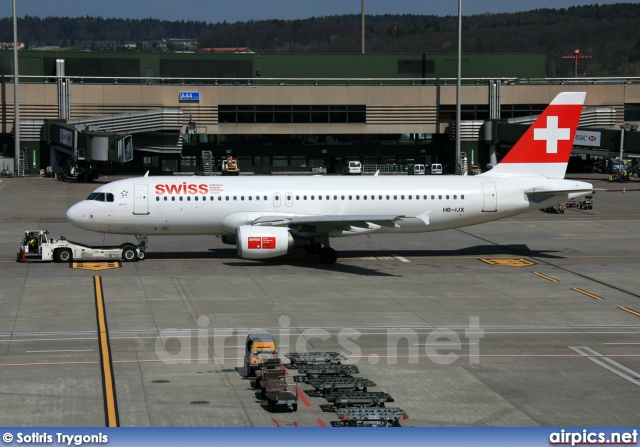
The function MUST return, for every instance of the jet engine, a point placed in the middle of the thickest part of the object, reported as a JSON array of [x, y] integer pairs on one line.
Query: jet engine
[[229, 239], [263, 242]]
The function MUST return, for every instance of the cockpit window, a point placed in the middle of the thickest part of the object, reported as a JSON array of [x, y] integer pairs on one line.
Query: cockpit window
[[101, 197]]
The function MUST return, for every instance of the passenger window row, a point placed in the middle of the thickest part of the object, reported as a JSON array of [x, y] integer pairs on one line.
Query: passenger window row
[[313, 197], [378, 197], [211, 198]]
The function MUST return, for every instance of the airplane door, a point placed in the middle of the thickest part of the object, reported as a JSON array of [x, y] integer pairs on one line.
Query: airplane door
[[140, 202], [288, 198], [490, 198], [276, 199]]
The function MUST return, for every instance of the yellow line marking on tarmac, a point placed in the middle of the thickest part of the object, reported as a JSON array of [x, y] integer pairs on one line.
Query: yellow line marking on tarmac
[[587, 293], [631, 311], [508, 262], [549, 278], [106, 364], [96, 266]]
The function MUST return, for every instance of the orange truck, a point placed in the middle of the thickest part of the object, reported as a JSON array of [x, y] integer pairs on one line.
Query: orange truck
[[258, 348]]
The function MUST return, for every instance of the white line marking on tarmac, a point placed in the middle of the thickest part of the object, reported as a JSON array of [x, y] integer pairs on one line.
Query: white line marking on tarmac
[[65, 350], [400, 258], [445, 344], [607, 363]]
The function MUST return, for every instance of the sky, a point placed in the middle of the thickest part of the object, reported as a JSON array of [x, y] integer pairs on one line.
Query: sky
[[244, 10]]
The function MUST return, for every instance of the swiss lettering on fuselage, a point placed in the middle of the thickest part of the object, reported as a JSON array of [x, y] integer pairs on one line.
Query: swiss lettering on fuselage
[[188, 188]]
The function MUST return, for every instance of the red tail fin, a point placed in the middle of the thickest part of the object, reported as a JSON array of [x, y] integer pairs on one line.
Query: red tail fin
[[545, 147]]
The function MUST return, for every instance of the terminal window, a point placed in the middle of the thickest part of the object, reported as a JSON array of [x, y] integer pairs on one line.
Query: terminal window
[[632, 112], [308, 114]]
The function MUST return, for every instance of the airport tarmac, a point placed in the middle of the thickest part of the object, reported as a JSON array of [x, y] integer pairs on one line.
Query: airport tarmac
[[528, 321]]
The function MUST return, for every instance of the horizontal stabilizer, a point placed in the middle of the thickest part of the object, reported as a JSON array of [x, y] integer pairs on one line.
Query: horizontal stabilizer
[[541, 194]]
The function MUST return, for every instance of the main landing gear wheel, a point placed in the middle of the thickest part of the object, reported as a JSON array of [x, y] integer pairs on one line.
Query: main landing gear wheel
[[313, 248], [328, 255]]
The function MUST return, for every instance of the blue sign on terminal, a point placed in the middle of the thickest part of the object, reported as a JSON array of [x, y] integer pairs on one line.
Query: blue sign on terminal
[[189, 96]]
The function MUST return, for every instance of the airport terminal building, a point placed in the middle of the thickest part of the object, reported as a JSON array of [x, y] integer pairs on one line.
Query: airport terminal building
[[133, 112]]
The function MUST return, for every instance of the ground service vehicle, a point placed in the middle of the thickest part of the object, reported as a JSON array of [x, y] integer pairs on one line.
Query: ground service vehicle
[[230, 166], [258, 348], [38, 246], [417, 170], [436, 168], [587, 203], [353, 168], [556, 209]]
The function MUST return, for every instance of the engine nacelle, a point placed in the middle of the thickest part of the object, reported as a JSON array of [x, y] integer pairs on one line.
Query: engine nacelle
[[229, 239], [263, 242]]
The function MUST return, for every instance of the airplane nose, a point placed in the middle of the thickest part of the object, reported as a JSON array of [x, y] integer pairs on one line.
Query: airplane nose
[[75, 214]]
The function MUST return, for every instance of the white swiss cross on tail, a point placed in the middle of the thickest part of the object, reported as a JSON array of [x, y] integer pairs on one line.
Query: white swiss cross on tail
[[545, 147], [552, 134]]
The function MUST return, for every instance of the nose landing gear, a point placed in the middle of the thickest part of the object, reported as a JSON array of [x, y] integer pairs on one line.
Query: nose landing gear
[[142, 245]]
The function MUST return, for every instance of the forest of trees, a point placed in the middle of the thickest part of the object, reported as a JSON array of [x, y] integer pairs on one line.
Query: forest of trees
[[607, 33]]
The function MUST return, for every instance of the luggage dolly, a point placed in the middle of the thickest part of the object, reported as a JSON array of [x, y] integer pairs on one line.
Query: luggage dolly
[[319, 370], [371, 417], [269, 370], [297, 358], [278, 393], [330, 384], [342, 399]]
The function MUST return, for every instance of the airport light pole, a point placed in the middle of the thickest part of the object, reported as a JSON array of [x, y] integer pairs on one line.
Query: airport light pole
[[624, 128], [16, 106], [575, 56], [458, 85], [362, 25]]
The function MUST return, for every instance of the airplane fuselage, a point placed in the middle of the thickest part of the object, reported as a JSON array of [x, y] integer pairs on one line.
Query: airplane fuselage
[[218, 205]]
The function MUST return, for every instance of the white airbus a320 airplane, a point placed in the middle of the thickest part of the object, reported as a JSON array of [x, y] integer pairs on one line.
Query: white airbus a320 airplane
[[266, 217]]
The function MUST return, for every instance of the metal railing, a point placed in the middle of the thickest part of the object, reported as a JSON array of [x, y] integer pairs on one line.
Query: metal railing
[[163, 80]]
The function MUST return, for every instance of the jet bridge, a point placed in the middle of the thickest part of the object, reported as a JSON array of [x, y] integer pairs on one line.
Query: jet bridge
[[81, 154], [81, 146]]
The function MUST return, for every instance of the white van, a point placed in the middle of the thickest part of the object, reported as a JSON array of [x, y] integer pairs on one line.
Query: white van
[[353, 168], [418, 169], [436, 168]]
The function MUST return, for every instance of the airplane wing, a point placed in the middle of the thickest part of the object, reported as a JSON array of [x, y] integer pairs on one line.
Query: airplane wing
[[382, 220], [328, 223], [323, 225]]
